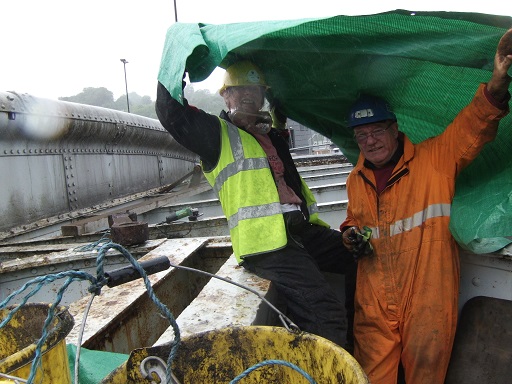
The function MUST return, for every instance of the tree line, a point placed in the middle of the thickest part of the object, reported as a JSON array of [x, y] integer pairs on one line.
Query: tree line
[[143, 105]]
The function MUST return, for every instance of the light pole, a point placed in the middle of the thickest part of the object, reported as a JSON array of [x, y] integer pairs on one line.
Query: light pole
[[126, 83]]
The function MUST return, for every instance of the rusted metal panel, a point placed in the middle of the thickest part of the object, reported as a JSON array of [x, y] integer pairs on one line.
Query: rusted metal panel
[[126, 230], [221, 304], [123, 318]]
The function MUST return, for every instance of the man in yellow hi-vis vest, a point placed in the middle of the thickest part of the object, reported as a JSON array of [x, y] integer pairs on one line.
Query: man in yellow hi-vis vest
[[274, 226]]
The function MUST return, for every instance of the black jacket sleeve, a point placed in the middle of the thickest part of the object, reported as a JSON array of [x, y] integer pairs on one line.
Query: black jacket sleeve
[[193, 128]]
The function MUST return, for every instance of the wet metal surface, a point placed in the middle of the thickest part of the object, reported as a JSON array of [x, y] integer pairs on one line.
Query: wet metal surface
[[83, 156], [123, 318], [221, 304]]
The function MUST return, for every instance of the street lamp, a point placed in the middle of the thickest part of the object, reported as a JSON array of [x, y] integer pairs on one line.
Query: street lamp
[[126, 83]]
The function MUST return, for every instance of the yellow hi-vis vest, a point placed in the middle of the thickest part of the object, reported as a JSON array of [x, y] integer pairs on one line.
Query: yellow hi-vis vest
[[248, 195]]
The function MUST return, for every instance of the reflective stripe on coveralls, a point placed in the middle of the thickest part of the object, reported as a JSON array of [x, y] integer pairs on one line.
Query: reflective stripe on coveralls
[[255, 214], [416, 220]]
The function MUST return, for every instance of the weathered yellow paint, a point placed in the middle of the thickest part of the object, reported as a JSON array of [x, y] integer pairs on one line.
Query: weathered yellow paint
[[18, 340], [219, 356]]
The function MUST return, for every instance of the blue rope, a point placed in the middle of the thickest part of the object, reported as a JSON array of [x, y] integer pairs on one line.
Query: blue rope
[[162, 307], [91, 246], [97, 283], [40, 281], [272, 362]]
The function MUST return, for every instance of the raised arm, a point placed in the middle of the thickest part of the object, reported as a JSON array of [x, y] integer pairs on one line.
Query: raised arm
[[500, 79], [193, 128]]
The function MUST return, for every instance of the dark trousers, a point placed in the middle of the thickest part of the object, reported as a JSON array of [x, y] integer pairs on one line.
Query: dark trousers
[[296, 273]]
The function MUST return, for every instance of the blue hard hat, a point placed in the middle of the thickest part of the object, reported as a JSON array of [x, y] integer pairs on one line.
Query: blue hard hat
[[369, 109]]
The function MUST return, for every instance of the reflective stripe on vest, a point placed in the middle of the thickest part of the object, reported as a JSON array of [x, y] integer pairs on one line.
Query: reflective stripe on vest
[[416, 220], [254, 212]]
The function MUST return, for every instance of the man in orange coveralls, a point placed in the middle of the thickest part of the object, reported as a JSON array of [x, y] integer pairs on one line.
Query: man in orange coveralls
[[408, 274]]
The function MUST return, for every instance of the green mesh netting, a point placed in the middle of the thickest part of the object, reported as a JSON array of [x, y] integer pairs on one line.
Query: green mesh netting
[[426, 64]]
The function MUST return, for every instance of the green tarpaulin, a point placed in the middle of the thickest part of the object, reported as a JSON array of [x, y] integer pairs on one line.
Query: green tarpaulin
[[426, 64], [94, 366]]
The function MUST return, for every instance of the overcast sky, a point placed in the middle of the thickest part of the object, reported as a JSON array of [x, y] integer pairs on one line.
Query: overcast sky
[[55, 48]]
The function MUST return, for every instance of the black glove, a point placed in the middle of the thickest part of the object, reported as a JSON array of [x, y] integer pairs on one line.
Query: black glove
[[358, 243]]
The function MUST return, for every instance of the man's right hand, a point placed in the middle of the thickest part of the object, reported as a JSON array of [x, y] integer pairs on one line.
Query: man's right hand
[[500, 79], [358, 242], [349, 237]]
